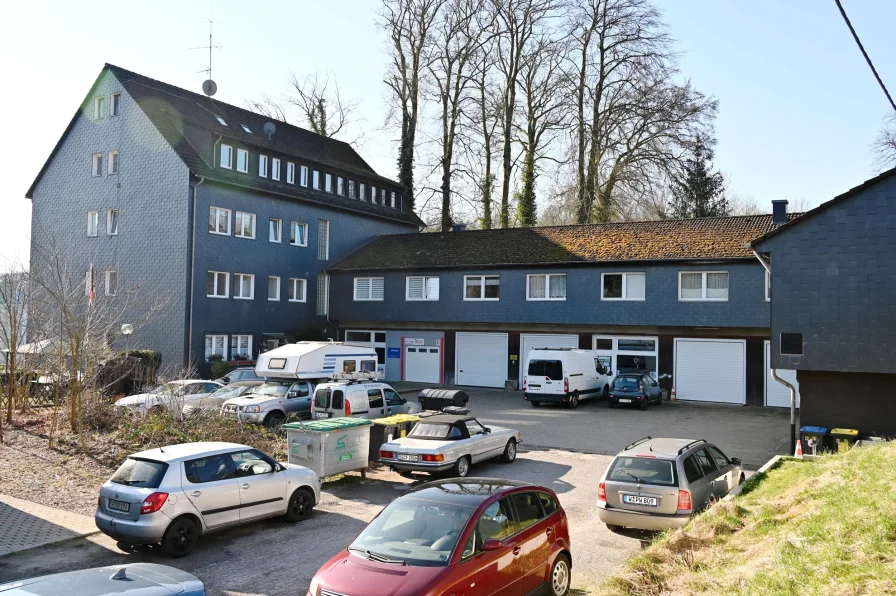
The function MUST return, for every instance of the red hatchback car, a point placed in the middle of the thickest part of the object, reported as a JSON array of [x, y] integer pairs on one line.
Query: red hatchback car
[[460, 537]]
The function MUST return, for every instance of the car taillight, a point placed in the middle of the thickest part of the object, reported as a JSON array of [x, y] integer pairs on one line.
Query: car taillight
[[99, 501], [348, 408], [602, 492], [684, 500], [430, 457], [153, 503], [386, 454], [566, 384], [525, 383]]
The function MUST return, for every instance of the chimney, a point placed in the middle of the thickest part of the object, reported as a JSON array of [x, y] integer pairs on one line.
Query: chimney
[[779, 211], [458, 227]]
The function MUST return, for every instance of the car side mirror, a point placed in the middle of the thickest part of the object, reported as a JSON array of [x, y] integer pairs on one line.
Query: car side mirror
[[492, 544], [736, 461]]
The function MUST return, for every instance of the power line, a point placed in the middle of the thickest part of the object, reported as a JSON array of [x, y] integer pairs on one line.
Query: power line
[[864, 53]]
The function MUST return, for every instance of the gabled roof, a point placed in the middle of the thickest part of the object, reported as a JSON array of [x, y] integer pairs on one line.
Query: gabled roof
[[665, 240], [826, 205], [169, 108]]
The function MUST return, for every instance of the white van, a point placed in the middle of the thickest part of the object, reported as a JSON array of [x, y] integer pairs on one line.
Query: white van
[[564, 375], [315, 360], [360, 399]]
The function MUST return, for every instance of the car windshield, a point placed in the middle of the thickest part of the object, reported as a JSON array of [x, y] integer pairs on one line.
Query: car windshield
[[627, 384], [413, 531], [552, 369], [423, 430], [141, 473], [643, 470], [229, 391], [275, 388]]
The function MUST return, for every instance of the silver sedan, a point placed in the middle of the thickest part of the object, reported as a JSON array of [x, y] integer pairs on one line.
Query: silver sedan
[[449, 443]]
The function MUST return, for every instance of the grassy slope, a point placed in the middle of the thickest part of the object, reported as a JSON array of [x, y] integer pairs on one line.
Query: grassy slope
[[822, 527]]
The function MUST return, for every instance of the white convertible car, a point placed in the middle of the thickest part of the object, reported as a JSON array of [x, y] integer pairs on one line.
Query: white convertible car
[[444, 442]]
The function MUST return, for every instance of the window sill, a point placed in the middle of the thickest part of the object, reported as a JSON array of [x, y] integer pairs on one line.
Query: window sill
[[244, 298], [623, 299], [481, 299], [298, 301], [244, 237], [219, 233], [421, 299], [545, 299], [299, 245], [368, 299], [703, 300], [220, 297]]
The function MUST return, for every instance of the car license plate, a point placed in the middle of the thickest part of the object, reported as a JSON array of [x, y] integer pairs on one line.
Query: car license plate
[[625, 401], [119, 505], [406, 457], [320, 414], [636, 500]]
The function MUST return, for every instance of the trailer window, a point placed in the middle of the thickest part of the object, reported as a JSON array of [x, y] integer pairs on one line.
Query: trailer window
[[552, 369], [368, 365], [349, 366]]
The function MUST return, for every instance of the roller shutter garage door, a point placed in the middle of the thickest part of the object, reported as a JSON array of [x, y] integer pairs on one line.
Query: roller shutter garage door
[[530, 341], [422, 364], [712, 370], [776, 394], [481, 359]]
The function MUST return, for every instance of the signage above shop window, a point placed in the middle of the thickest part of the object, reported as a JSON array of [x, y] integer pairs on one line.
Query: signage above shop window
[[413, 341]]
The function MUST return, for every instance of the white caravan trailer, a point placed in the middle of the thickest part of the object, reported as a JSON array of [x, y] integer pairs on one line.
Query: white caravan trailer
[[316, 360]]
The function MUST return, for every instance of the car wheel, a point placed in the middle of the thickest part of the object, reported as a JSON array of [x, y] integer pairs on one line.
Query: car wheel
[[180, 538], [300, 505], [573, 401], [742, 479], [462, 466], [534, 403], [643, 404], [274, 420], [509, 452], [560, 576], [659, 400]]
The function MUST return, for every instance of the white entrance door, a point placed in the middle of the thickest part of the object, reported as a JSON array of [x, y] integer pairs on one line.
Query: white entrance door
[[422, 364], [711, 370], [776, 394], [530, 341], [481, 359]]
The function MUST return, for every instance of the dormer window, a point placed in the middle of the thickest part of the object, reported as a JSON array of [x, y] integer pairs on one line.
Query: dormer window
[[227, 157], [351, 189], [290, 173], [242, 161], [221, 121], [246, 128], [362, 189], [315, 180], [340, 186], [303, 175], [275, 168], [263, 166], [328, 183]]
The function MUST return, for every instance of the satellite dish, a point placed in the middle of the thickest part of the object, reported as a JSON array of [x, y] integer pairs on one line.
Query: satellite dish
[[269, 129], [209, 87], [127, 329]]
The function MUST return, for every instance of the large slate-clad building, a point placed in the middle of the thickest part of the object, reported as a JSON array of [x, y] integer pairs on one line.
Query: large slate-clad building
[[833, 307], [192, 199]]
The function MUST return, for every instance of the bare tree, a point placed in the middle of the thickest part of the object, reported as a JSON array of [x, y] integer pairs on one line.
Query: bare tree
[[268, 107], [409, 24], [13, 315], [321, 104], [885, 145]]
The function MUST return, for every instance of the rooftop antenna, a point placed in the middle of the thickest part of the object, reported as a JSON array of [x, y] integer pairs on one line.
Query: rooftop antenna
[[209, 87]]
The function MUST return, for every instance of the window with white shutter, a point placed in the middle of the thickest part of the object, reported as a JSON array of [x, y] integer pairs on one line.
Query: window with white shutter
[[422, 288], [369, 288]]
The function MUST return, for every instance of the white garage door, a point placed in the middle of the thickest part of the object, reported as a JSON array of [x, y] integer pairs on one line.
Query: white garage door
[[422, 364], [481, 359], [530, 341], [776, 394], [711, 370]]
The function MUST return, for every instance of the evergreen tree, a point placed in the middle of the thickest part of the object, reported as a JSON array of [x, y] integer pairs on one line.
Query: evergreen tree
[[699, 192]]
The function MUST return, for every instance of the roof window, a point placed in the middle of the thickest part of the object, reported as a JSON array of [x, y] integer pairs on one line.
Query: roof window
[[221, 121], [246, 128]]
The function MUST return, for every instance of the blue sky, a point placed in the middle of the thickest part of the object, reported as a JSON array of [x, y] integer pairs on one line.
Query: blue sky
[[799, 108]]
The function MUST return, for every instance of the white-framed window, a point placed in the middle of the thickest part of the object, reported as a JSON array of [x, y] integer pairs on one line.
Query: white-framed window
[[227, 157], [303, 175], [340, 185], [768, 287], [298, 233], [219, 221], [351, 189], [323, 239], [392, 202], [362, 188], [274, 288], [420, 287], [218, 284], [373, 194], [242, 161], [482, 287], [382, 196], [328, 183], [290, 173], [112, 222], [263, 166], [275, 168], [111, 282], [323, 293], [215, 345], [97, 164], [546, 286], [243, 286], [703, 285], [623, 286], [241, 347], [98, 105], [315, 180], [275, 229], [113, 163], [297, 289], [369, 288], [93, 222], [245, 225], [115, 104]]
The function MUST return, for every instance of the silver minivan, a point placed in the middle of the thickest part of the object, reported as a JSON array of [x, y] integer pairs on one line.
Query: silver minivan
[[655, 484], [360, 399], [172, 495]]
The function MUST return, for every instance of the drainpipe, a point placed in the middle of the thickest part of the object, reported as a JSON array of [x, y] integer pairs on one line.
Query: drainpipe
[[765, 265], [193, 269]]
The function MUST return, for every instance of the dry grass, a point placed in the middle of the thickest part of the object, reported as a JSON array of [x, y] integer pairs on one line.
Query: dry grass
[[822, 527]]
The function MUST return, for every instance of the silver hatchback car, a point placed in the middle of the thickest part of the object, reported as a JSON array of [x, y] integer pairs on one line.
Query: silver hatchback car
[[655, 484], [171, 495]]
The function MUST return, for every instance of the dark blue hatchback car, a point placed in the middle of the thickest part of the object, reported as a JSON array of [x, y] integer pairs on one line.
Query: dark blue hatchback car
[[635, 389]]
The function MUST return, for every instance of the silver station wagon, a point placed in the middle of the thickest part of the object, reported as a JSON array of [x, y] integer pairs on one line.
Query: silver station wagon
[[171, 495], [655, 484]]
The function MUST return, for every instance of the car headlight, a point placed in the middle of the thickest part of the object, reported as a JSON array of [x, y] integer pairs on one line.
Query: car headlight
[[252, 409], [316, 584]]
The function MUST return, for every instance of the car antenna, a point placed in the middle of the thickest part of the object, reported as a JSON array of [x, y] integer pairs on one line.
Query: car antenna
[[162, 450]]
